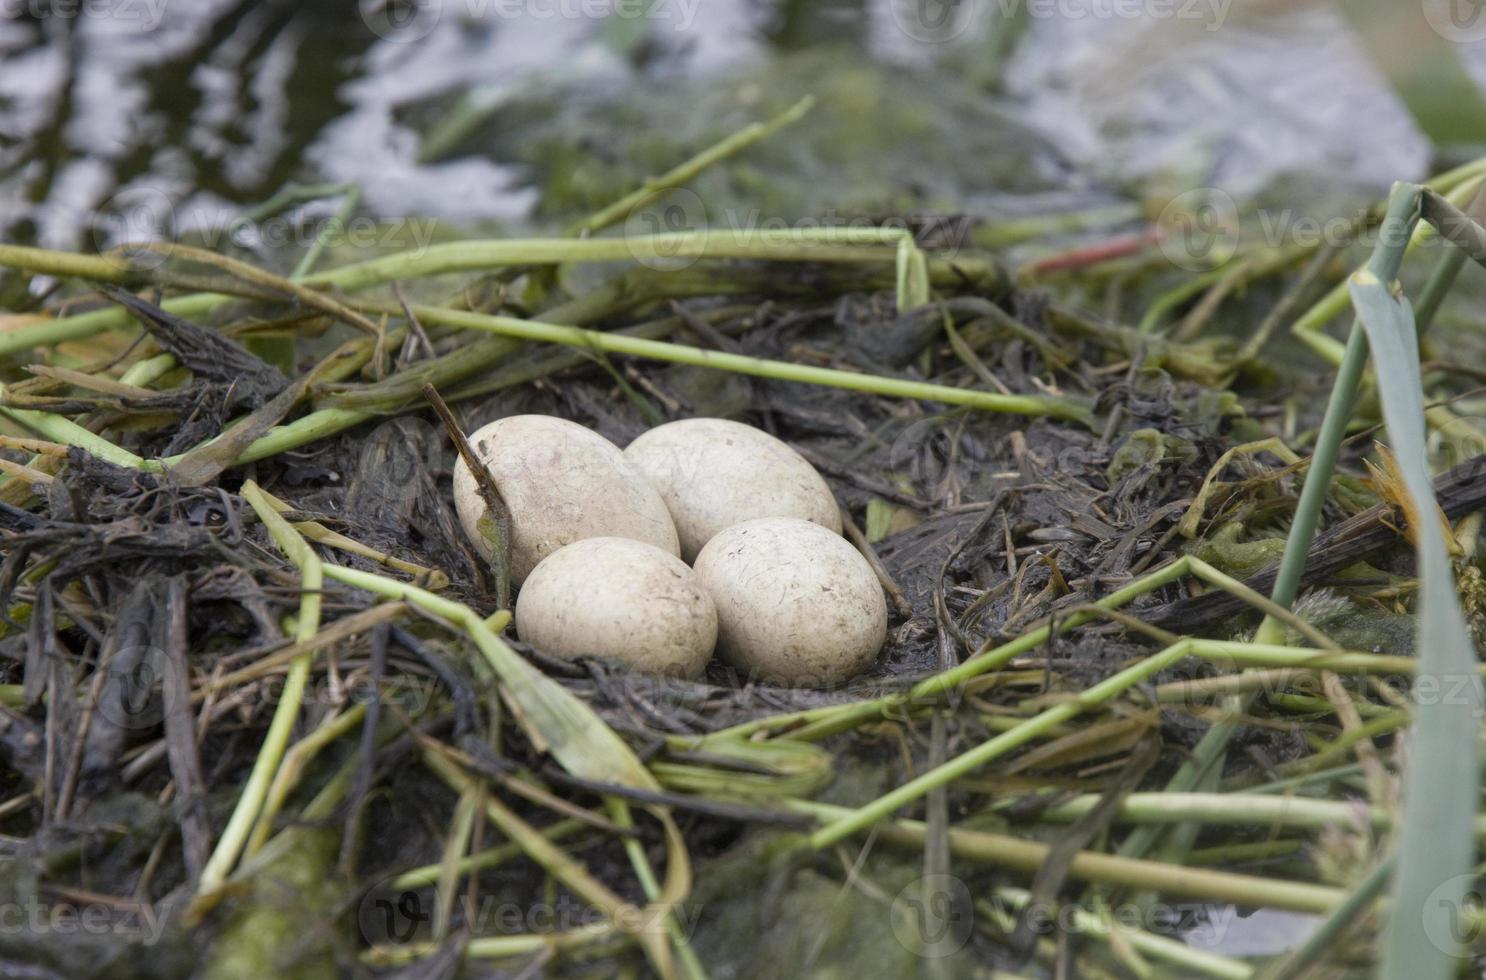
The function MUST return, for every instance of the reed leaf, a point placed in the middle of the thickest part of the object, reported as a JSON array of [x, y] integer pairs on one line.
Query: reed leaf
[[1437, 845]]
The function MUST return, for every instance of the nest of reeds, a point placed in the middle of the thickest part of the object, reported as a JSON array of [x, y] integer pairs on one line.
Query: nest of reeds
[[262, 713]]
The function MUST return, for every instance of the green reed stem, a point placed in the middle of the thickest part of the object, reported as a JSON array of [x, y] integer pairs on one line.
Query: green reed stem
[[271, 753]]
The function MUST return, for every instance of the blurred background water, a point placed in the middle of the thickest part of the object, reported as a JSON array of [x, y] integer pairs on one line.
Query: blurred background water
[[137, 116]]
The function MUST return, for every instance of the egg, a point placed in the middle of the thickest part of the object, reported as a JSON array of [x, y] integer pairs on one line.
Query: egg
[[796, 604], [619, 598], [714, 473], [561, 483]]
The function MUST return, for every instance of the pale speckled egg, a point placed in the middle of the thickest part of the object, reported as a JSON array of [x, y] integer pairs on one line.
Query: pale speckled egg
[[619, 598], [796, 603], [714, 473], [562, 483]]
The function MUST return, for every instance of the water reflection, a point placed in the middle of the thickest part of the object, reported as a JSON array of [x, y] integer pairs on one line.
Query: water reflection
[[202, 102], [216, 104]]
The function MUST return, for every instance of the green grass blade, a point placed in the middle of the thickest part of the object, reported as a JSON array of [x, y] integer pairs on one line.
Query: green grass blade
[[556, 720], [1436, 849]]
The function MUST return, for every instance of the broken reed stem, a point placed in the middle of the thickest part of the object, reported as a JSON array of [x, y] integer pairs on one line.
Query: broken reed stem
[[815, 244], [961, 765], [554, 717], [1240, 809], [864, 245], [60, 429], [538, 945], [485, 860], [294, 762], [326, 422], [1028, 856], [634, 849], [681, 174], [820, 722], [1351, 366], [1398, 230], [1310, 327], [1267, 261], [641, 924], [1242, 654], [1033, 405], [251, 274], [70, 265], [828, 721], [496, 527], [1152, 944], [255, 791], [576, 738]]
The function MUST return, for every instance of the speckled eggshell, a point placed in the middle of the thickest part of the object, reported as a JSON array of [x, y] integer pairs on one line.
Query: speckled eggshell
[[562, 483], [618, 598], [796, 603], [714, 473]]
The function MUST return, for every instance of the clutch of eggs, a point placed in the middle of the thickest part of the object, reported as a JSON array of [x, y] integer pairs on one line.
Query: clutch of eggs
[[596, 533]]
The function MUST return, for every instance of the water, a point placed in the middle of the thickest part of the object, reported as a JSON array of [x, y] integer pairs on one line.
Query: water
[[180, 114]]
